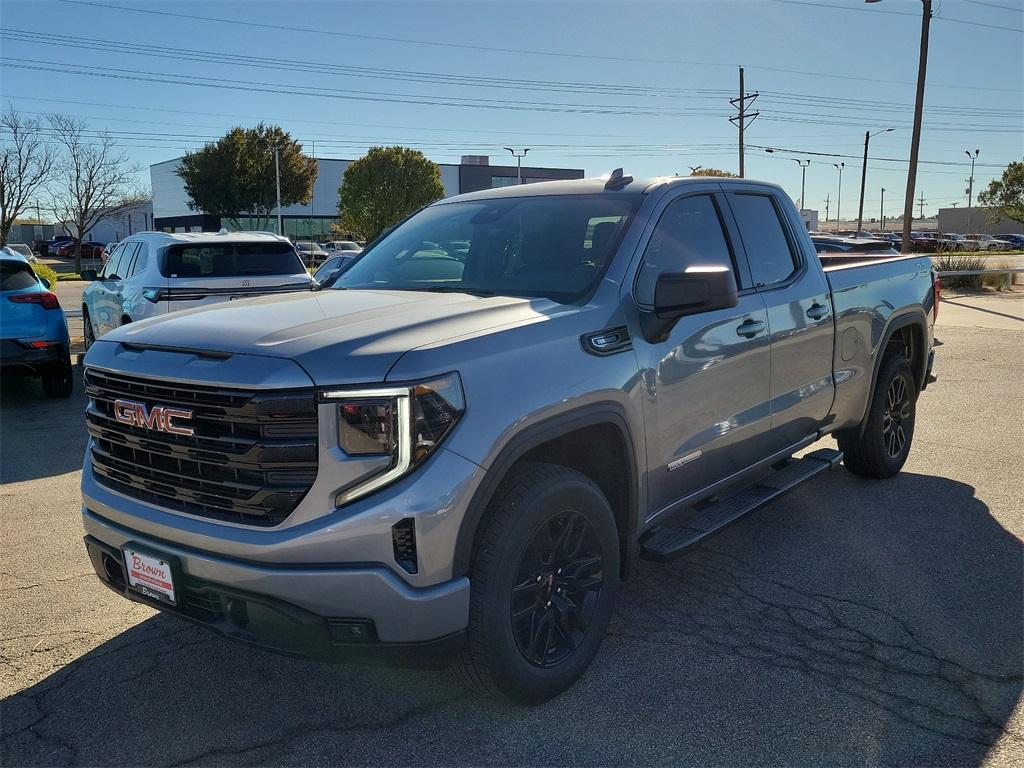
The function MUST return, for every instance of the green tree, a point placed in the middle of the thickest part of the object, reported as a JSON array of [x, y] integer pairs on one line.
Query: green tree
[[235, 176], [384, 186], [713, 172], [1005, 196]]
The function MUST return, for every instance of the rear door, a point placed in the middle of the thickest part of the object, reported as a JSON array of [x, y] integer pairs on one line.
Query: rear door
[[203, 274], [706, 384], [790, 281]]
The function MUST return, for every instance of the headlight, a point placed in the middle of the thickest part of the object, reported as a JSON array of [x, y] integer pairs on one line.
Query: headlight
[[404, 424]]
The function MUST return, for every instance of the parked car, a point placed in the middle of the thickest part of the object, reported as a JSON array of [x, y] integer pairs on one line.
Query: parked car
[[23, 250], [342, 245], [310, 253], [827, 244], [34, 338], [989, 243], [1016, 241], [952, 241], [46, 247], [334, 266], [155, 273], [90, 250], [468, 456]]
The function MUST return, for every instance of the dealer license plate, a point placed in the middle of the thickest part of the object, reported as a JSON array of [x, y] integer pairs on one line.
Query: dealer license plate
[[150, 574]]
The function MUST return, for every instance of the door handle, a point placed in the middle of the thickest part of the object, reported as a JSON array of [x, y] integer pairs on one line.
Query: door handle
[[750, 328], [817, 311]]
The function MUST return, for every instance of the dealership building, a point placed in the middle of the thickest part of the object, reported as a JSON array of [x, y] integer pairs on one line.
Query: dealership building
[[171, 212]]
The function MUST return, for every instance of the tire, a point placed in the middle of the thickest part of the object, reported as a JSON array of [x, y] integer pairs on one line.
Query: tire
[[879, 449], [59, 381], [547, 533], [87, 330]]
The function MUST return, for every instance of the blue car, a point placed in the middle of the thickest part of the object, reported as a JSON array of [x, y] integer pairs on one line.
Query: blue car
[[34, 337]]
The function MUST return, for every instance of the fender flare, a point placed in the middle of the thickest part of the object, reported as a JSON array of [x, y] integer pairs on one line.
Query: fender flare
[[913, 316], [593, 414]]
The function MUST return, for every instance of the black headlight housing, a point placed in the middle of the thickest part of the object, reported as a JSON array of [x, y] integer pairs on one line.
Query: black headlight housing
[[404, 422]]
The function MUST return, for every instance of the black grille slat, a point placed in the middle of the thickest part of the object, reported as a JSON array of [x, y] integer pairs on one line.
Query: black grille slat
[[252, 459]]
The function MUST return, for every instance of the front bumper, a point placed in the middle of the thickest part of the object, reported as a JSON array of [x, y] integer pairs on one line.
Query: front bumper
[[319, 611]]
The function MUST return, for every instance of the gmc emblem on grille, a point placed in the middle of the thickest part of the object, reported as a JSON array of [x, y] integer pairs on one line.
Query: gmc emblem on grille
[[159, 417]]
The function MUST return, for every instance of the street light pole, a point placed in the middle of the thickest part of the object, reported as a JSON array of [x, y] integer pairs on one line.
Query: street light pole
[[803, 180], [970, 184], [519, 158], [881, 213], [864, 176], [839, 198], [277, 177]]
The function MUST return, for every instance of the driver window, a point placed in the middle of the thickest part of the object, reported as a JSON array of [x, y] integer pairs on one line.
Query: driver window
[[688, 234], [110, 268]]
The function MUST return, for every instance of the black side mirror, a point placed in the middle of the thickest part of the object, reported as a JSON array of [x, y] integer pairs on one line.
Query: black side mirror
[[88, 274], [677, 294]]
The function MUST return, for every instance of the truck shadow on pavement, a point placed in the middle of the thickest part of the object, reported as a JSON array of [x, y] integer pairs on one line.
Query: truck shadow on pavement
[[850, 623], [30, 447]]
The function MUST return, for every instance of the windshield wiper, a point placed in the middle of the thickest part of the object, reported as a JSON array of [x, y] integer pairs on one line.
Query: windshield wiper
[[452, 289]]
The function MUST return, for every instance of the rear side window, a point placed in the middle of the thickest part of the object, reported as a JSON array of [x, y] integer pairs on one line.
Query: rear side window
[[139, 262], [769, 250], [113, 266], [688, 234], [230, 260], [15, 275]]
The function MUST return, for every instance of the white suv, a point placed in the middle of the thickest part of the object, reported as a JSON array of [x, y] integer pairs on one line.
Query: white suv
[[154, 273]]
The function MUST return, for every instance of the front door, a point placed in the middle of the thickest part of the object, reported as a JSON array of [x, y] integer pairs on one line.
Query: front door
[[706, 384]]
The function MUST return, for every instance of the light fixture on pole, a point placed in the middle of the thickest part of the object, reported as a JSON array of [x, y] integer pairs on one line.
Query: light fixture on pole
[[518, 155], [839, 197], [864, 177], [803, 179], [970, 184]]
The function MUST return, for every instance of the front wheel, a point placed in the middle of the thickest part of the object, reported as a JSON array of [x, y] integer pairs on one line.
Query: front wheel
[[543, 584], [880, 448], [87, 329]]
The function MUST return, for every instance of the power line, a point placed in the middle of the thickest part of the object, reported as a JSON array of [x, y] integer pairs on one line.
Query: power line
[[861, 9], [277, 28], [996, 5]]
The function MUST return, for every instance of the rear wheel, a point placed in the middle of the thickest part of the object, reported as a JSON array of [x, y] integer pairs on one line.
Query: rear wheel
[[543, 584], [59, 380], [880, 448]]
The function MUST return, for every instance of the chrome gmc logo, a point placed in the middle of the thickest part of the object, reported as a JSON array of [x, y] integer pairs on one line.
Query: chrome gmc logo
[[159, 417]]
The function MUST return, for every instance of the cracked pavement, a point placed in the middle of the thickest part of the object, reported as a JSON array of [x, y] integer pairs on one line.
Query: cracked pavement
[[850, 623]]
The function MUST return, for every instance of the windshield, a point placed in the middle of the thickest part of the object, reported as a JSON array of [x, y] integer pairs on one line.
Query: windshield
[[553, 246], [230, 260]]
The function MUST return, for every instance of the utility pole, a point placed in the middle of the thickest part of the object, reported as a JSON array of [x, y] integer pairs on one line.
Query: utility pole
[[970, 184], [921, 203], [277, 176], [803, 179], [744, 118], [915, 139], [881, 213], [864, 178], [826, 207], [839, 198], [519, 159]]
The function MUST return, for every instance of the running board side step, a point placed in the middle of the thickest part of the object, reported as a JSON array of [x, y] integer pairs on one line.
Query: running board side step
[[669, 542]]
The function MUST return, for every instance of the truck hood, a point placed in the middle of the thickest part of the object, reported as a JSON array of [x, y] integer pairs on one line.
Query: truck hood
[[337, 336]]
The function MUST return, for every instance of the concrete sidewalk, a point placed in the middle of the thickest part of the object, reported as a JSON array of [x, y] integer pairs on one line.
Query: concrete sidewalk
[[992, 310]]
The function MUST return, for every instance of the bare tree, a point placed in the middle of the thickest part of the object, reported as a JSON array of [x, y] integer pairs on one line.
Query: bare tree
[[26, 163], [93, 180]]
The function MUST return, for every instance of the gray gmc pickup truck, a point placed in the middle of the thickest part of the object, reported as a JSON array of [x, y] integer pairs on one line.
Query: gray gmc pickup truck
[[462, 447]]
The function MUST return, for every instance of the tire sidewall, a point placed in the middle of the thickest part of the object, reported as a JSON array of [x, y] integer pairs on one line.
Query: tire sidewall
[[892, 368], [517, 677]]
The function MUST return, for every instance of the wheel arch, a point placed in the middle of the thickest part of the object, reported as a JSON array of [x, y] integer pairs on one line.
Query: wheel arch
[[589, 439], [906, 329]]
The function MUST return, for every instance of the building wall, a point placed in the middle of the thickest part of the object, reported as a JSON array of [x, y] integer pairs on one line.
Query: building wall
[[110, 229], [473, 178], [956, 220]]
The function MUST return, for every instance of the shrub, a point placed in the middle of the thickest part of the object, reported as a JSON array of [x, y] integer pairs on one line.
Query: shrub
[[1002, 281], [46, 273], [960, 262]]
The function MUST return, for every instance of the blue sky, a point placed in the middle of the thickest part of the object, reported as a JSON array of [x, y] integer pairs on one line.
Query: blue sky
[[584, 85]]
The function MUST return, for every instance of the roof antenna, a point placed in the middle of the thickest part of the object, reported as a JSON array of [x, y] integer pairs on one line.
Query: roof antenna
[[617, 180]]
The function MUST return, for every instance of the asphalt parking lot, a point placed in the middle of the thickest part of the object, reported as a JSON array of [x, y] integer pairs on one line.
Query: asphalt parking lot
[[852, 622]]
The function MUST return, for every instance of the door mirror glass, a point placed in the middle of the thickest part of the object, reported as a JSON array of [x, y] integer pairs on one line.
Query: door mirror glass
[[698, 289], [88, 274]]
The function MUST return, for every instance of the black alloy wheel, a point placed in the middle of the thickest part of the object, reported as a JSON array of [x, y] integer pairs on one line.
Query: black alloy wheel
[[897, 410], [557, 587]]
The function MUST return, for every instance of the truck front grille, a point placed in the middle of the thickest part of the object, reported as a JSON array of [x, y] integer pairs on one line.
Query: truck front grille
[[251, 459]]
